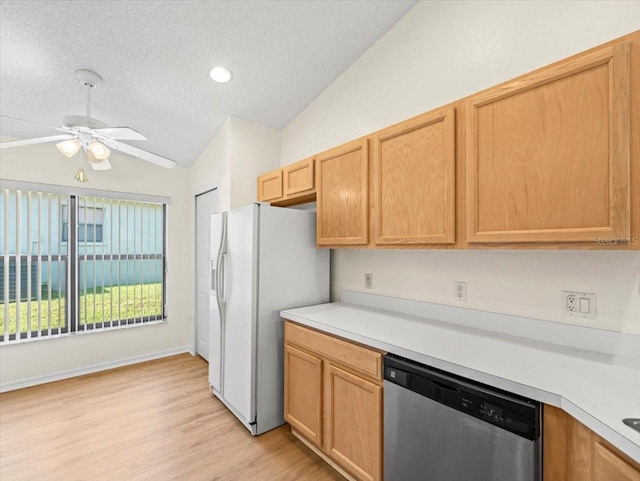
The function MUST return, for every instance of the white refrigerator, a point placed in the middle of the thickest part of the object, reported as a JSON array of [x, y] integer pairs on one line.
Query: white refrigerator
[[263, 259]]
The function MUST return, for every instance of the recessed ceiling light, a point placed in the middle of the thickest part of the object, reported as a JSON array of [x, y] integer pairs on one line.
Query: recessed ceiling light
[[220, 74]]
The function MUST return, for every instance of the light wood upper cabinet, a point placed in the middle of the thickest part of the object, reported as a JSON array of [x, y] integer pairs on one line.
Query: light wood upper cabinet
[[299, 177], [270, 186], [548, 155], [572, 452], [354, 423], [413, 179], [303, 393], [342, 195], [290, 185]]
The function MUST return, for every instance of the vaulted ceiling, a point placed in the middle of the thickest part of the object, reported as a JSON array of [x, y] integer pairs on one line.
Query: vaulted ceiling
[[154, 57]]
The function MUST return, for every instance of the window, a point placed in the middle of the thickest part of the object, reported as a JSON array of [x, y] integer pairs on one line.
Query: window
[[74, 263], [89, 224]]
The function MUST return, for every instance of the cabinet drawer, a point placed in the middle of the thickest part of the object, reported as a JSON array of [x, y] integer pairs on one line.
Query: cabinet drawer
[[359, 359]]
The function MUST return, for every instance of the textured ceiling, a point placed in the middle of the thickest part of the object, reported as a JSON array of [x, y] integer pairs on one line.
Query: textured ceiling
[[154, 58]]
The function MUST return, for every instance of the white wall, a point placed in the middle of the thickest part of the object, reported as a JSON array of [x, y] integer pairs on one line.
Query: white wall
[[440, 52], [255, 149], [40, 359], [238, 153], [212, 168]]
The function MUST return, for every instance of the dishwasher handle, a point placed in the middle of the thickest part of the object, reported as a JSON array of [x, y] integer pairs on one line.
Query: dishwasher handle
[[423, 385], [444, 386]]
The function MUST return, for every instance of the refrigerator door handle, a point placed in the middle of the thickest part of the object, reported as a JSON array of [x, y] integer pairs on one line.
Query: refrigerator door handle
[[223, 275], [217, 281], [220, 279]]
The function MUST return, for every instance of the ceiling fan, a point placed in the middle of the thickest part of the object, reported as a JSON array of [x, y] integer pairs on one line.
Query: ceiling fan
[[94, 137]]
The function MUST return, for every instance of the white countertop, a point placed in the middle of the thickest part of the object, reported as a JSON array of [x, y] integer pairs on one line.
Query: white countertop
[[598, 389]]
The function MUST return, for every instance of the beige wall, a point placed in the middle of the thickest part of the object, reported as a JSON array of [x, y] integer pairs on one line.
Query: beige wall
[[238, 153], [440, 52], [39, 359], [212, 168], [255, 149]]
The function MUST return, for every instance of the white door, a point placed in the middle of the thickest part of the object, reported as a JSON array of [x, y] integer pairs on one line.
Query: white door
[[206, 204]]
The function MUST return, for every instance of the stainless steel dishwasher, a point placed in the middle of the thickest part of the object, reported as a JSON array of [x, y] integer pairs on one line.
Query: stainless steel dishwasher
[[440, 427]]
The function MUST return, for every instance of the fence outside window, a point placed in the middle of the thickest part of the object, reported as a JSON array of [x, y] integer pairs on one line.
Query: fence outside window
[[74, 263]]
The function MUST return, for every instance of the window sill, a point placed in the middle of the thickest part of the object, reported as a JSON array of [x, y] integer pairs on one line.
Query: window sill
[[82, 332]]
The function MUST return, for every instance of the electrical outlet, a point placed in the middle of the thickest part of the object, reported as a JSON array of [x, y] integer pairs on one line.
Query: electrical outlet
[[368, 281], [461, 291], [572, 302], [579, 304]]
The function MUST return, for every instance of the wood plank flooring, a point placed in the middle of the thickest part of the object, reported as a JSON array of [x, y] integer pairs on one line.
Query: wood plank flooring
[[153, 421]]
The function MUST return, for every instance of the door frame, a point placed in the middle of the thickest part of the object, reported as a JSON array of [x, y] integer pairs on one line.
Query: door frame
[[194, 231]]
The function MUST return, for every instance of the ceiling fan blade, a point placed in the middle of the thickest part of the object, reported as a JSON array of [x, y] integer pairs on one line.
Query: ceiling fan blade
[[102, 165], [38, 140], [33, 123], [142, 154], [121, 133]]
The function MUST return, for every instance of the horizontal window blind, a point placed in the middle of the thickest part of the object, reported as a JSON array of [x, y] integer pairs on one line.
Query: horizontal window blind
[[75, 263]]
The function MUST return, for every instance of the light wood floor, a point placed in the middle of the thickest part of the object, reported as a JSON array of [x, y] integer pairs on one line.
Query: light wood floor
[[153, 421]]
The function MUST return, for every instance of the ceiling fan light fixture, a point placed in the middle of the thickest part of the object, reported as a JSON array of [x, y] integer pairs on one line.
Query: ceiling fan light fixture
[[99, 150], [102, 165], [81, 176], [69, 148], [220, 74]]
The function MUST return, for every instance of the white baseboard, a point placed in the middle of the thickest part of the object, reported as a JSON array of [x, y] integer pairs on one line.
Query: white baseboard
[[103, 366]]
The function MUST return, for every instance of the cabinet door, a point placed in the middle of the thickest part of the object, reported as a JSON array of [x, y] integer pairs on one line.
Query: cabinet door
[[299, 177], [342, 195], [608, 466], [354, 423], [270, 186], [303, 393], [548, 154], [414, 181], [572, 452]]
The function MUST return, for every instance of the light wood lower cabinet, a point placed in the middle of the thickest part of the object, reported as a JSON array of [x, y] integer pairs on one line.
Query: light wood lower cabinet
[[572, 452], [354, 422], [303, 403], [333, 398]]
